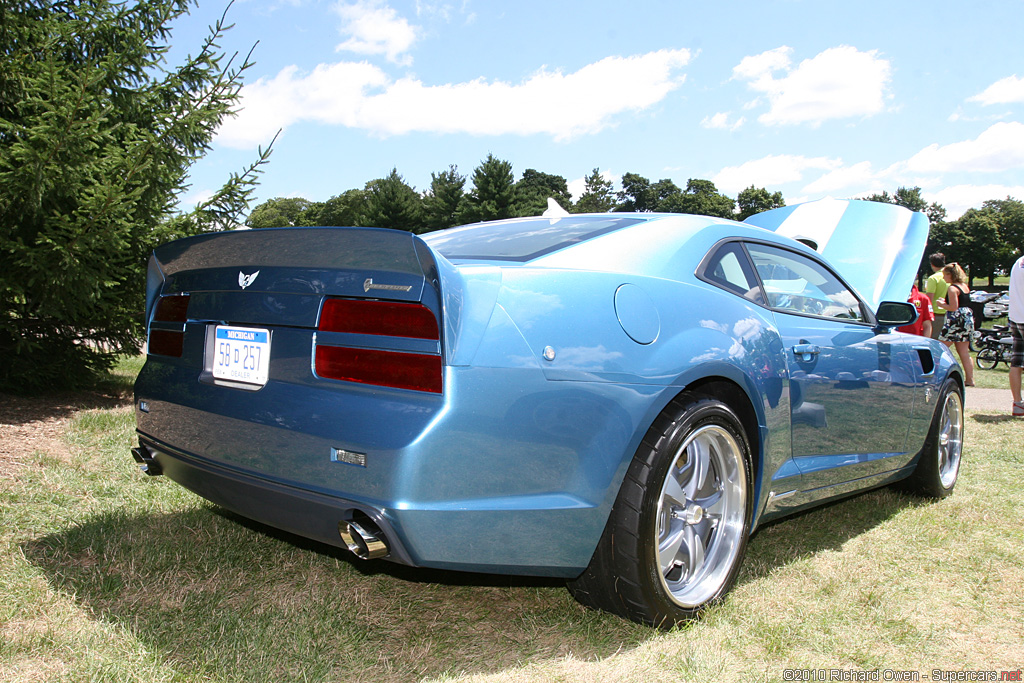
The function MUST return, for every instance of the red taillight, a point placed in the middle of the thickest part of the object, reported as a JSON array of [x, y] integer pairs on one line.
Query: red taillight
[[379, 366], [416, 371], [166, 342], [172, 309], [169, 340], [388, 318]]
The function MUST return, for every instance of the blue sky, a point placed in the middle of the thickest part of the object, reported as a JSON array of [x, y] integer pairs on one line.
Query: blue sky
[[810, 98]]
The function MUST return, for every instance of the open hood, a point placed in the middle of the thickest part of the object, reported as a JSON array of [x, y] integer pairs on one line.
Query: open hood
[[876, 247]]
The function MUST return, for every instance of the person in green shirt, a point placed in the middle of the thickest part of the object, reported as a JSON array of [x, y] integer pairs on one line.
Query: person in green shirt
[[935, 287]]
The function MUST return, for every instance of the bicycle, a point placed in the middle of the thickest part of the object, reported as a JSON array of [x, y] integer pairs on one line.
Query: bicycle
[[991, 350]]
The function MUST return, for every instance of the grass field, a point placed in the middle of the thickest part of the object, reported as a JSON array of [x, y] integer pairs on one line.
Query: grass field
[[107, 575]]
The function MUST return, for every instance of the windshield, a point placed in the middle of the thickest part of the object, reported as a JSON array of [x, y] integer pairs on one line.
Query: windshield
[[521, 240]]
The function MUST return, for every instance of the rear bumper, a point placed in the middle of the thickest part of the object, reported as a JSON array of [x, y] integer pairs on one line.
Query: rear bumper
[[299, 511]]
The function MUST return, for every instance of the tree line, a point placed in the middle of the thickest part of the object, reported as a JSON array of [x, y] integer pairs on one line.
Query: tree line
[[390, 202], [986, 240]]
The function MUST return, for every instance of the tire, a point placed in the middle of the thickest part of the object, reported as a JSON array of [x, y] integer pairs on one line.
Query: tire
[[987, 358], [680, 524], [939, 466]]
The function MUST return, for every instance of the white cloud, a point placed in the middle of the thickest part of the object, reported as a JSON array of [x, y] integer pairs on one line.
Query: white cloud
[[195, 198], [373, 28], [360, 95], [958, 198], [1005, 91], [841, 82], [1000, 148], [856, 178], [720, 121], [759, 68], [770, 171]]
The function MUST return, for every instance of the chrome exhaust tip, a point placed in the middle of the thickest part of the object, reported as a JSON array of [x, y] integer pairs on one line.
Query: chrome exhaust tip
[[363, 538], [147, 463]]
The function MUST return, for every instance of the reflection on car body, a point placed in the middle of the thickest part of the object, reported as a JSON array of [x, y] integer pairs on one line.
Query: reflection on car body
[[616, 399]]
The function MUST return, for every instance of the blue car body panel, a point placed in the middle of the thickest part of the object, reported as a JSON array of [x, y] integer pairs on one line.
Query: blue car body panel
[[554, 368]]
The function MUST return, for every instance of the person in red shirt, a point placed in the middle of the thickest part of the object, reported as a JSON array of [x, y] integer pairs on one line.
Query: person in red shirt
[[923, 325]]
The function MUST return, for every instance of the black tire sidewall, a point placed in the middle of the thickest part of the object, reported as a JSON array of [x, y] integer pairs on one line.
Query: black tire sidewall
[[693, 416]]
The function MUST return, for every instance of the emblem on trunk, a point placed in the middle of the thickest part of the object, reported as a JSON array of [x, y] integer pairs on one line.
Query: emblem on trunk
[[368, 285], [246, 280]]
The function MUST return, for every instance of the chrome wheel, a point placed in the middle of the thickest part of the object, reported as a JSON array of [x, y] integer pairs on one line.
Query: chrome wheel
[[701, 516], [950, 439]]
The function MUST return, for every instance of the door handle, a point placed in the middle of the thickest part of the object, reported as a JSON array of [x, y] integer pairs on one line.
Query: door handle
[[806, 352]]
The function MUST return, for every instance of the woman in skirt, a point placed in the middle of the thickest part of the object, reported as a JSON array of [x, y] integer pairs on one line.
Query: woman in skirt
[[959, 325]]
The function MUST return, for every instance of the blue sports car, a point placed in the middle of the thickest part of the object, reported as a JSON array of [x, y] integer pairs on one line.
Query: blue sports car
[[616, 399]]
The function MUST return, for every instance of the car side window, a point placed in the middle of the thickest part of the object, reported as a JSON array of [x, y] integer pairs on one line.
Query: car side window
[[730, 269], [797, 284]]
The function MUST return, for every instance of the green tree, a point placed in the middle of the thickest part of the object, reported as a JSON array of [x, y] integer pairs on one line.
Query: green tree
[[910, 198], [701, 197], [345, 209], [636, 194], [442, 201], [1009, 214], [391, 203], [755, 200], [534, 188], [597, 195], [97, 134], [979, 249], [280, 212], [493, 194]]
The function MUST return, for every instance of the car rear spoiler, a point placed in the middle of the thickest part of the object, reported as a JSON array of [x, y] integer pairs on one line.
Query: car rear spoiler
[[347, 262]]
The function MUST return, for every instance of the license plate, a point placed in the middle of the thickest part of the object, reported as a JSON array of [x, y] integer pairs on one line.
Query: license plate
[[241, 354]]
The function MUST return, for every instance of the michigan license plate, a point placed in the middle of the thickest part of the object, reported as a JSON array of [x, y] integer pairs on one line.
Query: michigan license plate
[[241, 354]]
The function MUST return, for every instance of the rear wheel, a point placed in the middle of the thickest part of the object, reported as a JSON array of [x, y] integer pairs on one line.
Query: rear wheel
[[937, 470], [987, 358], [679, 527]]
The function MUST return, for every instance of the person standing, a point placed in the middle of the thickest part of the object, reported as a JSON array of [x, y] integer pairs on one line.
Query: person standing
[[1016, 315], [959, 325], [935, 287], [922, 327]]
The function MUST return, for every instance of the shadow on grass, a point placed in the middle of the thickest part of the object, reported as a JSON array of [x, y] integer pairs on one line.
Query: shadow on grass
[[229, 598], [993, 419], [828, 527], [20, 410]]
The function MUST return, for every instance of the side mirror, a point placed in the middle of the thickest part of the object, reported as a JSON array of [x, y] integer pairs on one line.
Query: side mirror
[[895, 313]]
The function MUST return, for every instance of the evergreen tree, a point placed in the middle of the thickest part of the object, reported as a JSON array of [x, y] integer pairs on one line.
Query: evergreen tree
[[96, 137], [391, 203], [442, 201], [597, 195], [493, 194], [534, 188]]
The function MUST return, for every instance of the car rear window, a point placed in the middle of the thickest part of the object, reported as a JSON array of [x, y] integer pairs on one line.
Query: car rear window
[[522, 240]]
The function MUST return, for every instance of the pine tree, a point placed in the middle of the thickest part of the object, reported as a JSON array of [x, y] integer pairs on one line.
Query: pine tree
[[442, 201], [391, 203], [493, 194], [597, 194], [96, 137]]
